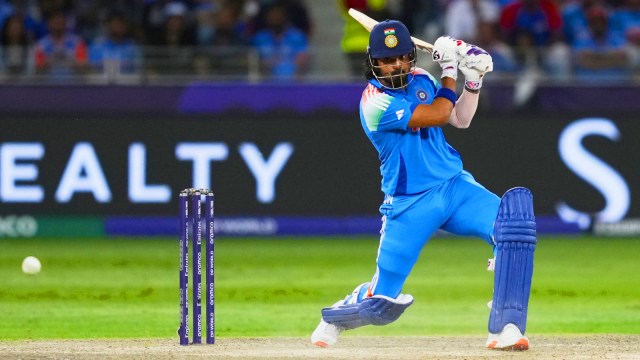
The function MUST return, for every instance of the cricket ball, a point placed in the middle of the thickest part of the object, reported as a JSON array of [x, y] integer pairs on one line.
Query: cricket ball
[[31, 265]]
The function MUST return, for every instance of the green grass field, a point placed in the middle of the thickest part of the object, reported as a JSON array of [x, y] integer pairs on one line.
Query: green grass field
[[128, 288]]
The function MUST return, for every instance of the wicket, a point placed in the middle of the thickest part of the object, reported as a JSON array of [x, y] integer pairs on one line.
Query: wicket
[[191, 224]]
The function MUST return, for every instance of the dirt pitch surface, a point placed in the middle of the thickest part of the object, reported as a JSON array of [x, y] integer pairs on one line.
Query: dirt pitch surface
[[431, 347]]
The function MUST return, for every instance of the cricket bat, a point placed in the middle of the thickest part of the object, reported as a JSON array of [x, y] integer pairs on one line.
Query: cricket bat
[[369, 23]]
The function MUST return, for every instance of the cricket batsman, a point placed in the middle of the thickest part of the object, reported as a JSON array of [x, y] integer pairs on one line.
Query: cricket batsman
[[402, 111]]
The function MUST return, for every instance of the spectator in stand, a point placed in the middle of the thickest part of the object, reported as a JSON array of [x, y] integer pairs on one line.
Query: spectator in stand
[[297, 14], [625, 21], [227, 52], [283, 49], [173, 44], [220, 24], [604, 54], [355, 38], [205, 22], [61, 53], [574, 19], [31, 14], [176, 30], [16, 56], [462, 18], [90, 16], [228, 30], [533, 28], [115, 51], [531, 22], [47, 7]]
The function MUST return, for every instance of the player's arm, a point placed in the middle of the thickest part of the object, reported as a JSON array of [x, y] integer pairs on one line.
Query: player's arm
[[465, 109], [452, 54], [439, 111]]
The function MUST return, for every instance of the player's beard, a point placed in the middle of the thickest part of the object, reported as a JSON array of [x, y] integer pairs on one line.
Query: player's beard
[[398, 79]]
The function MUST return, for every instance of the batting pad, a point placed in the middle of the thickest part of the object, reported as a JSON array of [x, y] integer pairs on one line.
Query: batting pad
[[515, 237], [375, 310]]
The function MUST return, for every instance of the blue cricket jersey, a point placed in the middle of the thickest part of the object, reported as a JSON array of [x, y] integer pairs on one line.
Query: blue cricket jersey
[[412, 160]]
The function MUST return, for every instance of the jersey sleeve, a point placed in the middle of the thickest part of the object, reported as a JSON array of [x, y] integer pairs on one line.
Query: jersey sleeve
[[383, 112], [419, 72]]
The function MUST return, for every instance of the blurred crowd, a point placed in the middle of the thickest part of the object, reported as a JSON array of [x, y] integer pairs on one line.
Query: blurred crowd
[[587, 39], [60, 38]]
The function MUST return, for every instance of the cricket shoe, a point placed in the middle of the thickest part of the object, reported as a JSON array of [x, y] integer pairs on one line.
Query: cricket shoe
[[510, 338], [325, 334]]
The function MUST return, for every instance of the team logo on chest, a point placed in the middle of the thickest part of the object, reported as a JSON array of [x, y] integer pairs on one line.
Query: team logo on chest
[[422, 95]]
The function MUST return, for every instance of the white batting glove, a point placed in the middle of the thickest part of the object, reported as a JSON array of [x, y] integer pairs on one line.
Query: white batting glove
[[475, 64], [472, 76], [476, 57], [445, 53]]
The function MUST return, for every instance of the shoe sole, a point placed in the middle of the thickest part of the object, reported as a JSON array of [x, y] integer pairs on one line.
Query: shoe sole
[[321, 344], [520, 345]]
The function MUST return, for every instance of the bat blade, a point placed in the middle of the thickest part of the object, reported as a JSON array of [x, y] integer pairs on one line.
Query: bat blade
[[368, 23], [363, 19]]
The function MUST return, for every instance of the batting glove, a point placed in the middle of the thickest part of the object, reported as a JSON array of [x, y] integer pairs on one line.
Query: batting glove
[[476, 57], [474, 66], [445, 53]]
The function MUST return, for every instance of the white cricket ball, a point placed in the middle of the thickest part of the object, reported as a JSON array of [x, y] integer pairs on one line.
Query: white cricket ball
[[31, 265]]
